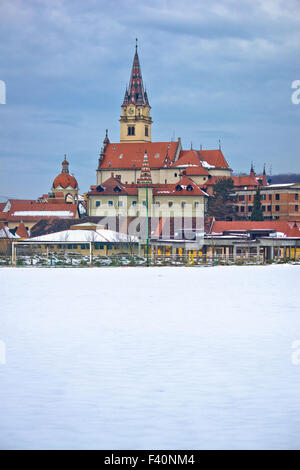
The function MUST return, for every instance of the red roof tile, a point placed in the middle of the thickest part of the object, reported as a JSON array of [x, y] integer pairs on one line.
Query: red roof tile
[[214, 157], [131, 154], [21, 231], [290, 229], [248, 181]]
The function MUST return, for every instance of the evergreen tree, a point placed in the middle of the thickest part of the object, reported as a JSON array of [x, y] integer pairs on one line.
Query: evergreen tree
[[257, 213], [220, 204]]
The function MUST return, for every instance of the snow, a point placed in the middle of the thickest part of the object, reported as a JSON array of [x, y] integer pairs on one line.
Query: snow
[[5, 233], [100, 235], [44, 213], [150, 358], [207, 165]]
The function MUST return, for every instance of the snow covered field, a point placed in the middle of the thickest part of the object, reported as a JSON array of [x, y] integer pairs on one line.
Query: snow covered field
[[165, 358]]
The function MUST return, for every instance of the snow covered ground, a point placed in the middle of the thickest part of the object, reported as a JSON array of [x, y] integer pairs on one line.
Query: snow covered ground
[[165, 358]]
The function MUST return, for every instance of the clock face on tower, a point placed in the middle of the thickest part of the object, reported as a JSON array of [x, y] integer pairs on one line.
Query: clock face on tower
[[130, 111]]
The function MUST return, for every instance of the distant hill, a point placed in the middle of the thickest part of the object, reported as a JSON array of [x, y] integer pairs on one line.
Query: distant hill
[[285, 178]]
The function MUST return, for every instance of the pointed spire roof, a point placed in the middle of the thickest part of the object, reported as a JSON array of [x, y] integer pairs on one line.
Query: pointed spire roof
[[21, 231], [136, 93], [145, 177]]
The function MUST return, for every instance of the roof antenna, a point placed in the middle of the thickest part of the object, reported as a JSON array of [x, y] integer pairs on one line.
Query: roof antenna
[[191, 145], [219, 144], [200, 146]]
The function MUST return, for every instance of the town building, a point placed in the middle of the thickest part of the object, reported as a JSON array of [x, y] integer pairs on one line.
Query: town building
[[62, 201], [166, 160]]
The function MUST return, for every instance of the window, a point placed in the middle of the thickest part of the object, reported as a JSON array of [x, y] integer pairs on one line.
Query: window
[[296, 197], [178, 187], [131, 130], [98, 203], [263, 197], [204, 179], [170, 203], [250, 209], [269, 208], [146, 131], [100, 188], [189, 187], [236, 208], [157, 203], [263, 208], [183, 204], [99, 246], [296, 208], [134, 203], [242, 209], [270, 197], [175, 174], [241, 198], [277, 197], [84, 246], [250, 197], [110, 203], [144, 203], [120, 203], [196, 204], [117, 189], [277, 208]]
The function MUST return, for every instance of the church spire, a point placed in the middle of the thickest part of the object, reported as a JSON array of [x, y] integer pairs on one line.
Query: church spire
[[135, 119], [136, 92], [145, 177]]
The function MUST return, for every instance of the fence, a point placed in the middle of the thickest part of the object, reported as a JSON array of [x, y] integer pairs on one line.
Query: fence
[[29, 254]]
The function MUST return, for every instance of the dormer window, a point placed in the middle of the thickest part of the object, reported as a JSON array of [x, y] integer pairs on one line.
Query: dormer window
[[99, 188], [189, 187], [117, 189], [178, 187]]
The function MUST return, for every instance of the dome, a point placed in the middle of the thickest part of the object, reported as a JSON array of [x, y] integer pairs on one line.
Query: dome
[[64, 180]]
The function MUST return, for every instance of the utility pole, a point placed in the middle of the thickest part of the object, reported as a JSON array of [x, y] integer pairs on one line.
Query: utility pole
[[147, 218]]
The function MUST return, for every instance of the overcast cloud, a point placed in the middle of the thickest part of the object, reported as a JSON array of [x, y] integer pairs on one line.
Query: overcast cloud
[[213, 70]]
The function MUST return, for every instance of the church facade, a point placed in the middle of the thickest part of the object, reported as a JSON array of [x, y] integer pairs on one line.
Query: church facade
[[169, 166], [167, 160]]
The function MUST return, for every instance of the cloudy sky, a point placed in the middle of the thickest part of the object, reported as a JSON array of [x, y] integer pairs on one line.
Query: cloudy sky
[[213, 70]]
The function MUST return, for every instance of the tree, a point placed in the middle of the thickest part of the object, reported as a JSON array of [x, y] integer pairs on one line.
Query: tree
[[257, 213], [221, 203]]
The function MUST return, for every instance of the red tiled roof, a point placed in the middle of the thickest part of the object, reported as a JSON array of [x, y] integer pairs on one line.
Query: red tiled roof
[[2, 205], [245, 181], [21, 231], [170, 189], [65, 180], [158, 189], [290, 229], [131, 154], [25, 210], [214, 157], [188, 157]]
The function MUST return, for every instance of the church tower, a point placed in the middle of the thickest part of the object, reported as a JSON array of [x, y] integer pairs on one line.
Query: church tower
[[135, 121]]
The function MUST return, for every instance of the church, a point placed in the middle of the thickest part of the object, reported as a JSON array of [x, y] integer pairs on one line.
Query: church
[[173, 176]]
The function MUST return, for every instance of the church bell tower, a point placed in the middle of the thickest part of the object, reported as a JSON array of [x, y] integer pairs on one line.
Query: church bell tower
[[135, 120]]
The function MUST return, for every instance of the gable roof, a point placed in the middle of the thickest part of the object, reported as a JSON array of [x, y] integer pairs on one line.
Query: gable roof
[[130, 155], [290, 229]]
